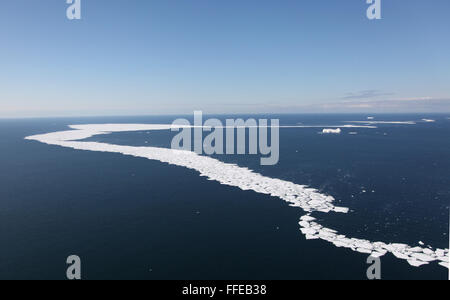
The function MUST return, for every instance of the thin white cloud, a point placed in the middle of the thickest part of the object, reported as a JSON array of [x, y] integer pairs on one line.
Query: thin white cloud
[[367, 94]]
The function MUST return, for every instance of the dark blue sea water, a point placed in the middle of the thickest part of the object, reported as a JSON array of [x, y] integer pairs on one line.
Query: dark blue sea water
[[132, 218]]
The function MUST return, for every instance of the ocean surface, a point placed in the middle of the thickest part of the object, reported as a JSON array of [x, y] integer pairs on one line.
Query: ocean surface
[[133, 218]]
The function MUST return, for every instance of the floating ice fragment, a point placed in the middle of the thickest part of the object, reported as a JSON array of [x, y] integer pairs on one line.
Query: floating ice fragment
[[307, 218], [416, 263], [423, 257], [377, 254], [428, 252], [332, 131], [308, 231], [341, 209], [444, 264], [416, 249], [304, 224], [340, 244], [312, 237], [364, 250], [400, 255]]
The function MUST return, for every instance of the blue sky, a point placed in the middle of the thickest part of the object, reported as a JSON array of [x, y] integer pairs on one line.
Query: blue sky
[[130, 57]]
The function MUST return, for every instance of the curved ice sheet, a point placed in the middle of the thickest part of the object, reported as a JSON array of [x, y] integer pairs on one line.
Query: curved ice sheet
[[308, 199]]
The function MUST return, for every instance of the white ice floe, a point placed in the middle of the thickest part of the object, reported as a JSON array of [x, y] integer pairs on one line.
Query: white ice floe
[[308, 199], [416, 263], [327, 126], [414, 256], [383, 122], [332, 131], [310, 126]]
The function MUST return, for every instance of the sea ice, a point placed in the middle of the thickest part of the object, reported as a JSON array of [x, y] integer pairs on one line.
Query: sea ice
[[416, 263], [332, 131], [310, 200]]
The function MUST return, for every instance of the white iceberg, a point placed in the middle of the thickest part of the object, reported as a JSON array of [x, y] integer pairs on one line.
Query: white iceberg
[[331, 131]]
